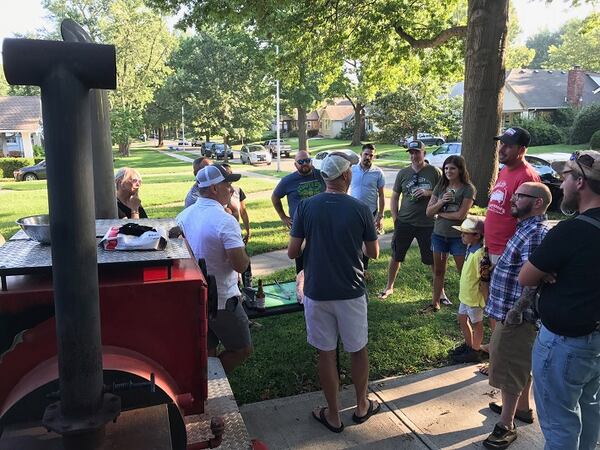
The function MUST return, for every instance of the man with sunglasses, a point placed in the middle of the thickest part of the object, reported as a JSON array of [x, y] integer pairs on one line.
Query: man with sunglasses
[[214, 234], [338, 229], [566, 354], [510, 344], [305, 182]]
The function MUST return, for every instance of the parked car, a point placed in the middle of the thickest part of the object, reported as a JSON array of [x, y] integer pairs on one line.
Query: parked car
[[196, 142], [31, 173], [183, 142], [254, 154], [319, 157], [439, 155], [207, 149], [542, 163], [219, 150], [285, 149], [426, 138]]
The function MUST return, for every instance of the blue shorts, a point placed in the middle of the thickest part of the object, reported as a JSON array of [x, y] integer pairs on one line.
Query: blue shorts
[[442, 244]]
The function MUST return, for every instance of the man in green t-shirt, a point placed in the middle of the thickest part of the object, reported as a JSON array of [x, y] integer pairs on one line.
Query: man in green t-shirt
[[415, 183]]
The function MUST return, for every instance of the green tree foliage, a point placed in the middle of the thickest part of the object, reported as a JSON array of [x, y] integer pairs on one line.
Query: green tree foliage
[[416, 108], [595, 141], [221, 77], [586, 123], [540, 43], [143, 45], [542, 132], [517, 56], [580, 45]]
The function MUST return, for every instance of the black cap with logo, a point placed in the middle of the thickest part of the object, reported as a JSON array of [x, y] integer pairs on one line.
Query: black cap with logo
[[515, 135]]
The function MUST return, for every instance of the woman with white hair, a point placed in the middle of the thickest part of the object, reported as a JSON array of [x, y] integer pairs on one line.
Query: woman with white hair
[[128, 182]]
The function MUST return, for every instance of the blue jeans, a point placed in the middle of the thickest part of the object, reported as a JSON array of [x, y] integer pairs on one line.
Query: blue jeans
[[566, 387]]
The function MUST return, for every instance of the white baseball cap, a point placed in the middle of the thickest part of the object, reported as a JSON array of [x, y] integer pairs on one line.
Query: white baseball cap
[[215, 174], [336, 163]]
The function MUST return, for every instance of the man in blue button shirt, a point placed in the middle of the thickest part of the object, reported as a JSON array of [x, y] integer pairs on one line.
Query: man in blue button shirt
[[367, 186]]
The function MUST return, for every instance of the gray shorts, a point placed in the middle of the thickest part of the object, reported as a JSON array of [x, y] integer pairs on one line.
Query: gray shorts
[[230, 327]]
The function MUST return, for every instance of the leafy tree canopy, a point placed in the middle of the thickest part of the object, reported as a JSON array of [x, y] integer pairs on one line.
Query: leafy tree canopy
[[580, 45], [541, 42]]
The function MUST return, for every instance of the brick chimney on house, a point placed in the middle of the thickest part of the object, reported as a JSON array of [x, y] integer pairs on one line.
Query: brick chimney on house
[[575, 83]]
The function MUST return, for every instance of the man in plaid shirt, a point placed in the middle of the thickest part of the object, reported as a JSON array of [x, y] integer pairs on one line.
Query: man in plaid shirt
[[510, 345]]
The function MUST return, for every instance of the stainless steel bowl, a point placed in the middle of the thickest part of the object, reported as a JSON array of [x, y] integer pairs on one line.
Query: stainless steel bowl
[[36, 227]]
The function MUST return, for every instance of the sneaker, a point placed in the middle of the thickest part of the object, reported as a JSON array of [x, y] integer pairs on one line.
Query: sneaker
[[445, 301], [500, 438], [469, 356]]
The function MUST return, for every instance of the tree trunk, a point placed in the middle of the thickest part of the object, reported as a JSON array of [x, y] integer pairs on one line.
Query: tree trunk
[[302, 143], [207, 136], [359, 123], [483, 95], [124, 148], [161, 136]]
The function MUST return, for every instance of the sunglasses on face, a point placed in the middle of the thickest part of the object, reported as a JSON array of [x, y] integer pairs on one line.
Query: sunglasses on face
[[580, 159], [304, 161]]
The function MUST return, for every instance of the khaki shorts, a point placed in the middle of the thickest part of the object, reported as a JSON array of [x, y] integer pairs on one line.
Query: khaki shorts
[[325, 320], [510, 356]]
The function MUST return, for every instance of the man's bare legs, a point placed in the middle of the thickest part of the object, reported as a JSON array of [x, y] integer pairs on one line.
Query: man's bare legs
[[393, 268], [511, 403], [330, 383], [360, 378]]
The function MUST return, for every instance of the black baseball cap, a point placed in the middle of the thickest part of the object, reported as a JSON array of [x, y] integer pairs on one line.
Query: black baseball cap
[[515, 135], [416, 145]]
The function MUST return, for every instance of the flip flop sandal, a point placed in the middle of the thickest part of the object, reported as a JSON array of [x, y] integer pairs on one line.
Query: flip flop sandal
[[522, 415], [370, 412], [429, 309], [385, 294], [484, 369], [321, 418]]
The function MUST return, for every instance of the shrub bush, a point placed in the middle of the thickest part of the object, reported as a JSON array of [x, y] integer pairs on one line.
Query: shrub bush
[[9, 165], [312, 133], [38, 151], [542, 132], [595, 141], [346, 133], [586, 123]]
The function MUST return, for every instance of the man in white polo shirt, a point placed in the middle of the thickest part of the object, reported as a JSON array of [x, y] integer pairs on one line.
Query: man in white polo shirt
[[214, 235]]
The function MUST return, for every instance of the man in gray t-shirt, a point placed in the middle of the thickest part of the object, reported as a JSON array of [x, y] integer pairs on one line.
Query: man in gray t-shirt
[[415, 184], [337, 230]]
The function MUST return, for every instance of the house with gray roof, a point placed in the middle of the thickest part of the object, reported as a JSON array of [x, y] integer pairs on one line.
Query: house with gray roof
[[535, 92], [20, 125]]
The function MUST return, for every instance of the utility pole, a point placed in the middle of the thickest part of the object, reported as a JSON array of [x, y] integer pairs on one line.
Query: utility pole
[[182, 126], [278, 120]]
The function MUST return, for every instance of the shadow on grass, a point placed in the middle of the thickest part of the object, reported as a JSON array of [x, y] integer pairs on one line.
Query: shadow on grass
[[401, 341]]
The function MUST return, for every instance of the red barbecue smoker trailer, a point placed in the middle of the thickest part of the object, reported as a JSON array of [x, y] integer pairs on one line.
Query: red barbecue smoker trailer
[[89, 337]]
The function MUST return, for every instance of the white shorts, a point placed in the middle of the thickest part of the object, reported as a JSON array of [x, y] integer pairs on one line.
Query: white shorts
[[325, 319], [475, 313]]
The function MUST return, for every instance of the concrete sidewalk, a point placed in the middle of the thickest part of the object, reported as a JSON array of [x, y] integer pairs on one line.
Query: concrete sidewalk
[[444, 408]]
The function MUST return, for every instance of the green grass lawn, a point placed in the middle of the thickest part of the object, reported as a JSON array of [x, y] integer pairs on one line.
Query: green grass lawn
[[166, 182], [401, 341]]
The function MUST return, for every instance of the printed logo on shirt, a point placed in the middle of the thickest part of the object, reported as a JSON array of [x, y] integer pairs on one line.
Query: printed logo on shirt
[[308, 189], [498, 198], [417, 182]]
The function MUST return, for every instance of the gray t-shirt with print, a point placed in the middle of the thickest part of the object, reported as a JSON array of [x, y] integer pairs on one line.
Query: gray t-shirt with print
[[443, 226], [412, 211]]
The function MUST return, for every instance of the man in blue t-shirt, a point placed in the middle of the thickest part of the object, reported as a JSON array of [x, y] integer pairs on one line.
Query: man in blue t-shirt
[[303, 183], [337, 229]]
